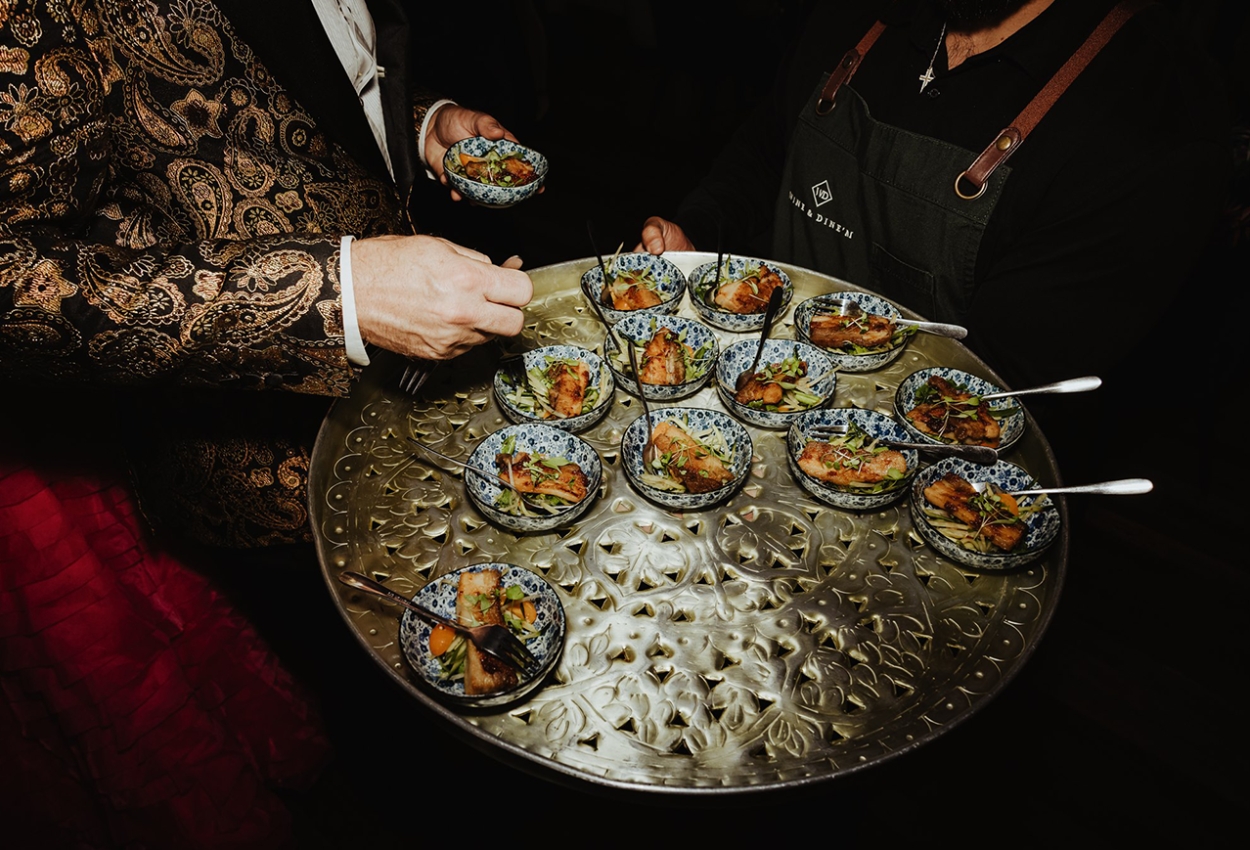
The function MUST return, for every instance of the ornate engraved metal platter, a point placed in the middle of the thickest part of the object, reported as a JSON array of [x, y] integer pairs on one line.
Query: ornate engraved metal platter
[[767, 642]]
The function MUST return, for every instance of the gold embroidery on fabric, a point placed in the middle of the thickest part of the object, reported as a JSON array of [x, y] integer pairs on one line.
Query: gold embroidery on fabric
[[169, 212]]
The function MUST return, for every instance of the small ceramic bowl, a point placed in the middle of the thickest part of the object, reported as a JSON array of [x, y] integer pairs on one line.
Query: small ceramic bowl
[[1007, 411], [487, 194], [868, 359], [738, 357], [670, 284], [641, 329], [702, 286], [855, 498], [1043, 525], [439, 596], [522, 405], [535, 439], [694, 421]]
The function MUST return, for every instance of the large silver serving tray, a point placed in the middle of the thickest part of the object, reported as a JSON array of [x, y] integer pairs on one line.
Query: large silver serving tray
[[769, 642]]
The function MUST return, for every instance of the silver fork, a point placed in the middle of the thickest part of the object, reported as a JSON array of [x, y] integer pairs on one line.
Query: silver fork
[[416, 373], [494, 640], [983, 455]]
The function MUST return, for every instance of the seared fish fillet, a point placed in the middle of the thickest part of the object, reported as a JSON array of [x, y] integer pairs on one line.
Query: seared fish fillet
[[1002, 527], [749, 295], [623, 295], [483, 674], [568, 481], [845, 466], [568, 388], [768, 392], [954, 420], [834, 331], [664, 359], [690, 463]]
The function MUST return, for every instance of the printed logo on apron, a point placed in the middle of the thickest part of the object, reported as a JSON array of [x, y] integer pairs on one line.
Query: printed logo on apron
[[821, 193]]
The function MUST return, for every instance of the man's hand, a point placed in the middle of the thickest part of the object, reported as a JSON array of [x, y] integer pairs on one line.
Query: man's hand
[[427, 297], [660, 235], [449, 125]]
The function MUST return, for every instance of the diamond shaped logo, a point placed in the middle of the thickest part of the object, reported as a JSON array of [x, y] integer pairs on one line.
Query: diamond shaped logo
[[821, 193]]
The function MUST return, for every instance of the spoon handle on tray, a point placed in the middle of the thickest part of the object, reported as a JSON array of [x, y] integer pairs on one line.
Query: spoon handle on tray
[[1071, 385]]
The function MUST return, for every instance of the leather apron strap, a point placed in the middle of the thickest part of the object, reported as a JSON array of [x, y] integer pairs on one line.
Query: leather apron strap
[[972, 182], [846, 69]]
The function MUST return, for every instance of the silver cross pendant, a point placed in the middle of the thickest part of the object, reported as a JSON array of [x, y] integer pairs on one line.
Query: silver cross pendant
[[926, 78]]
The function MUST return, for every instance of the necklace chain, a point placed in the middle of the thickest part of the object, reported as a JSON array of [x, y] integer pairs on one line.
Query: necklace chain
[[927, 76]]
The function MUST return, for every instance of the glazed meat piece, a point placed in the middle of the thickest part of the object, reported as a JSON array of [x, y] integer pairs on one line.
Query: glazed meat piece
[[541, 475], [846, 466], [568, 387], [756, 390], [623, 294], [483, 674], [664, 359], [749, 295], [504, 171], [690, 462], [996, 520], [869, 330], [953, 419]]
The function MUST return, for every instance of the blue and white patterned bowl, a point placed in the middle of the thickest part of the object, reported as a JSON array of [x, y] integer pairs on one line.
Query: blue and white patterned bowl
[[846, 361], [691, 419], [535, 439], [737, 358], [671, 284], [1043, 525], [439, 596], [1012, 424], [483, 194], [850, 498], [701, 284], [641, 329], [541, 358]]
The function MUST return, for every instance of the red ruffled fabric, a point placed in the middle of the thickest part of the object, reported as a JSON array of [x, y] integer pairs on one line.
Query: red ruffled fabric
[[137, 709]]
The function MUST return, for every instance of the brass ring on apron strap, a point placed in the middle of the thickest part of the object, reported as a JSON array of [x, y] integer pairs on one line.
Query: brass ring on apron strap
[[824, 107], [965, 196]]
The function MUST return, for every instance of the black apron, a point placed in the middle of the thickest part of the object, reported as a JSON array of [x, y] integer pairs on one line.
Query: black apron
[[893, 211]]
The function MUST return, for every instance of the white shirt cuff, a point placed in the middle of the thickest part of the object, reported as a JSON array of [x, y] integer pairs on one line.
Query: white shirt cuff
[[429, 113], [351, 327]]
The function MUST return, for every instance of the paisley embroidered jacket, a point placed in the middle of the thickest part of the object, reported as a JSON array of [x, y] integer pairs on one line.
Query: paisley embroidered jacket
[[170, 210]]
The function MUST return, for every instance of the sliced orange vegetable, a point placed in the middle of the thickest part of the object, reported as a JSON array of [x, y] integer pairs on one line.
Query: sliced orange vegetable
[[523, 609], [441, 638]]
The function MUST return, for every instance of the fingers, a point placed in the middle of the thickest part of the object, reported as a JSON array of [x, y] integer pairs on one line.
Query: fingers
[[513, 262], [510, 288], [652, 236]]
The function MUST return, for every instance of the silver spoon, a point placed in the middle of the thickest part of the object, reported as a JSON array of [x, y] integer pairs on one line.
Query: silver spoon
[[1119, 487], [849, 308], [1071, 385], [774, 304], [530, 499], [983, 455], [650, 452]]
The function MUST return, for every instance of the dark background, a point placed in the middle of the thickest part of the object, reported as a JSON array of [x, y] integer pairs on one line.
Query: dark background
[[1127, 723]]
